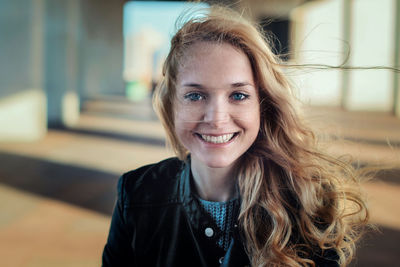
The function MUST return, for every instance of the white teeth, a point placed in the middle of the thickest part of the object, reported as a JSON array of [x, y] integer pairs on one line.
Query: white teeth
[[217, 139]]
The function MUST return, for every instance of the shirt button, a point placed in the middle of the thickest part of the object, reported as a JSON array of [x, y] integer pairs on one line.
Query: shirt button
[[221, 260], [209, 232]]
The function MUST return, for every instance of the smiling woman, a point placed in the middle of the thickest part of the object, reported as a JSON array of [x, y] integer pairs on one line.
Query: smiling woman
[[249, 185], [217, 115]]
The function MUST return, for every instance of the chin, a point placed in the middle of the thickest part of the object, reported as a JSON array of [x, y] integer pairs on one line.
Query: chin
[[218, 162]]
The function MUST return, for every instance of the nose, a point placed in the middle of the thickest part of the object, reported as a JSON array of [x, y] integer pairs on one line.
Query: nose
[[216, 113]]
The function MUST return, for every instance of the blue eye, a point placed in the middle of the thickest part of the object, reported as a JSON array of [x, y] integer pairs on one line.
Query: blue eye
[[239, 96], [194, 96]]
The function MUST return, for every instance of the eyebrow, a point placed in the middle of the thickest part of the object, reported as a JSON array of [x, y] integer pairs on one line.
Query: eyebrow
[[233, 85], [241, 84], [195, 85]]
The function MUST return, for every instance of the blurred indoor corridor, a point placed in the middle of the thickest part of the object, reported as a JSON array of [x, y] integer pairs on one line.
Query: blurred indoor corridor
[[75, 77], [62, 188]]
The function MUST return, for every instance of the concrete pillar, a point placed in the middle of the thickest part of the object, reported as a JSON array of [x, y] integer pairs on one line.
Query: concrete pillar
[[396, 54], [327, 32], [371, 46], [53, 52], [62, 24], [22, 96], [102, 48], [347, 9], [84, 55], [317, 42]]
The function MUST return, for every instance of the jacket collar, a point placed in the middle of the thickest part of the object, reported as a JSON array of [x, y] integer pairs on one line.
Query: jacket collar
[[236, 254], [187, 198], [185, 183]]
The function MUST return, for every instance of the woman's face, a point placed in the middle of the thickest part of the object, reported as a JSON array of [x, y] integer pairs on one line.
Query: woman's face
[[216, 110]]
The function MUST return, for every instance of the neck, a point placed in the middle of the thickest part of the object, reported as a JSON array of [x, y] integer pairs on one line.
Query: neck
[[214, 184]]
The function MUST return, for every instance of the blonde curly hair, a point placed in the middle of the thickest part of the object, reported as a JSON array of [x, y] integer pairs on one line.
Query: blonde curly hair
[[296, 201]]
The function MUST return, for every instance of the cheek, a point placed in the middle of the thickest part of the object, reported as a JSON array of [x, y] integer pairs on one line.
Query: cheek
[[249, 117], [186, 117], [185, 122], [184, 132]]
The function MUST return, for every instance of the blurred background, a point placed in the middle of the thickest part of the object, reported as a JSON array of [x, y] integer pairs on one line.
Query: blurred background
[[76, 79]]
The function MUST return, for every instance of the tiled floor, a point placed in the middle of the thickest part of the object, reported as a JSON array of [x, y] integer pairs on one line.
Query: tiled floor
[[56, 195]]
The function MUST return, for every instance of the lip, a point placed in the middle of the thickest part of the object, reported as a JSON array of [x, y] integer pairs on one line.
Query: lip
[[200, 138]]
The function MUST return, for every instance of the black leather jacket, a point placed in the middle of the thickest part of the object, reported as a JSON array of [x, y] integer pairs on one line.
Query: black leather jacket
[[158, 222]]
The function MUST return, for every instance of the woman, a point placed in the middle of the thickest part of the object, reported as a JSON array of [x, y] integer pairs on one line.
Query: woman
[[249, 186]]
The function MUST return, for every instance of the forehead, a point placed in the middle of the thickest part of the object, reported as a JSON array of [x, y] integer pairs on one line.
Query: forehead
[[214, 62], [201, 50]]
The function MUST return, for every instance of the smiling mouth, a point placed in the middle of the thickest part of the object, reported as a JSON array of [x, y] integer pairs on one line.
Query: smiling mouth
[[217, 139]]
